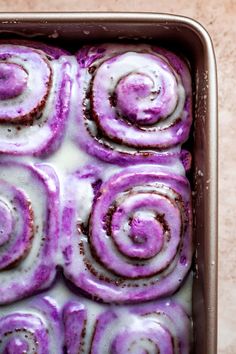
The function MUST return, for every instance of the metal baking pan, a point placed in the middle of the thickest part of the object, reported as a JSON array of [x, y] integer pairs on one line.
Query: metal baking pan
[[191, 39]]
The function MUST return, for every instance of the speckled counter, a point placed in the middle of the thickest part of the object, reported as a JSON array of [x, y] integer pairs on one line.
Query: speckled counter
[[219, 19]]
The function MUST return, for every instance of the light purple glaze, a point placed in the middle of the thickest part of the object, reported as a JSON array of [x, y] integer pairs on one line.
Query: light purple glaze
[[16, 223], [134, 103], [6, 223], [38, 332], [74, 319], [138, 232], [13, 80], [23, 226], [29, 123], [23, 324], [14, 84], [155, 328], [129, 94]]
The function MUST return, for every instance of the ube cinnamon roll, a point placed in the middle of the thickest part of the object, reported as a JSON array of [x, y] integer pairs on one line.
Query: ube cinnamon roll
[[33, 330], [160, 328], [35, 86], [133, 102], [28, 229], [135, 243]]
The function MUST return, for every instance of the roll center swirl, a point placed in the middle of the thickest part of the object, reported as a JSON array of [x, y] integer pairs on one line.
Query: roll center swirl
[[146, 234], [133, 93], [13, 80]]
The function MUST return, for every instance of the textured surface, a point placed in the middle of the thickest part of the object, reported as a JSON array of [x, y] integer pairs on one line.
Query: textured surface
[[219, 19]]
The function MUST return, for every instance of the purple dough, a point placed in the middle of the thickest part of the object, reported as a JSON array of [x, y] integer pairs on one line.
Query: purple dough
[[134, 103], [37, 332], [13, 81], [74, 318], [154, 328], [16, 221], [35, 87], [26, 328], [136, 243], [28, 229]]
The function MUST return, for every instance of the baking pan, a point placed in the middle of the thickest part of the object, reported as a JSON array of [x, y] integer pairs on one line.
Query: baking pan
[[191, 39]]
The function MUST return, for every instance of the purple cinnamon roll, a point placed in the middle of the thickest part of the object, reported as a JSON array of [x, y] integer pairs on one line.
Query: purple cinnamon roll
[[135, 244], [28, 229], [133, 104], [160, 328], [35, 330], [35, 86]]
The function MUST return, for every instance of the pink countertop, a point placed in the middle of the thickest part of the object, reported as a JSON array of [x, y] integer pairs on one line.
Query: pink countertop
[[219, 18]]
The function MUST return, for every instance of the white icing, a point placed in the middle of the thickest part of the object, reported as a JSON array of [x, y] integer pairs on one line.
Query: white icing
[[33, 66], [28, 138], [68, 159], [28, 307], [134, 63], [36, 194], [62, 294]]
